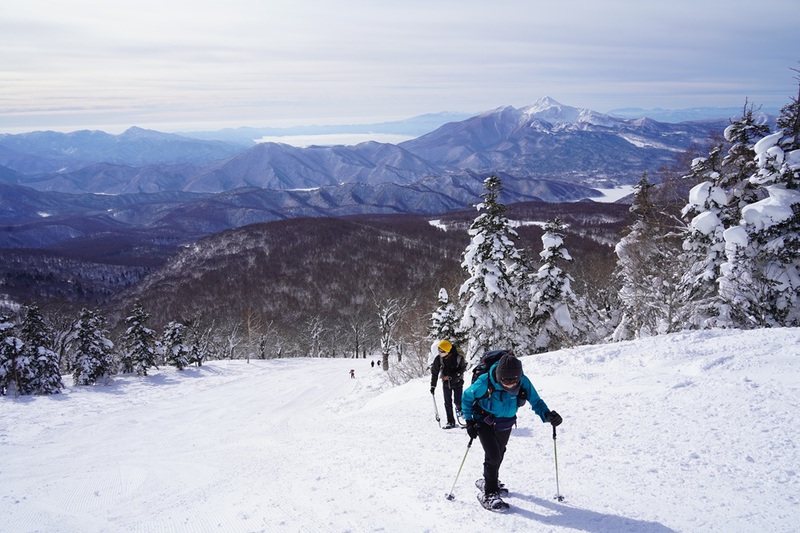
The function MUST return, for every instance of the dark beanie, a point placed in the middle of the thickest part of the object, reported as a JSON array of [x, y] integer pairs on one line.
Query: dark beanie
[[509, 368]]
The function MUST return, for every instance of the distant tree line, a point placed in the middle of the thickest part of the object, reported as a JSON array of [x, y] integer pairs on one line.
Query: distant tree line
[[35, 352]]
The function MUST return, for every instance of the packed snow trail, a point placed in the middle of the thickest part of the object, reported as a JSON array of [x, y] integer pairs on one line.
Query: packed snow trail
[[680, 433], [172, 451]]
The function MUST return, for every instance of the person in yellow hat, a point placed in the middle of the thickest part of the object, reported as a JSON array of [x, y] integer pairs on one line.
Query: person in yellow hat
[[450, 365]]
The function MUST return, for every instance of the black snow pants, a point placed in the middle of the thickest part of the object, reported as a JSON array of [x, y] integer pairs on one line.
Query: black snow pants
[[452, 394], [494, 449]]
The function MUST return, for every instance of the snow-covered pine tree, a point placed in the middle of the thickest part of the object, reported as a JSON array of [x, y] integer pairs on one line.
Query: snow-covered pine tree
[[761, 277], [198, 339], [634, 254], [703, 254], [138, 353], [647, 271], [445, 321], [15, 374], [522, 278], [552, 302], [38, 347], [6, 332], [739, 163], [92, 354], [175, 350], [714, 205], [490, 261]]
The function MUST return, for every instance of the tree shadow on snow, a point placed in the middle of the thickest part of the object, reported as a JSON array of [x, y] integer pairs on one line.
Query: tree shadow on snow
[[585, 520]]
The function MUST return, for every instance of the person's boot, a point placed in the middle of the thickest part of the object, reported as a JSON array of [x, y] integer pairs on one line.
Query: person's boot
[[502, 490], [493, 502]]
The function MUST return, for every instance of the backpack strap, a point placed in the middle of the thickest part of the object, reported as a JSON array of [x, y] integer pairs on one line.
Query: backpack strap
[[522, 397], [489, 392]]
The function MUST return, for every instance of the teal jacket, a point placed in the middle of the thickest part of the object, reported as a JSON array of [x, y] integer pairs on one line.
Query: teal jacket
[[501, 403]]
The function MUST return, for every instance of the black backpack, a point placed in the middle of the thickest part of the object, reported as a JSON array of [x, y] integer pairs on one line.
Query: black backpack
[[486, 362], [483, 366]]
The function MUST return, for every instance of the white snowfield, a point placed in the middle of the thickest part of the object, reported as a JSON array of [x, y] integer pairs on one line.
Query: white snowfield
[[691, 432]]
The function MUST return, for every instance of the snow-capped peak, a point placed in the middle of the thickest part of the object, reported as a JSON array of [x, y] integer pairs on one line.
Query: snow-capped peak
[[545, 103], [554, 112]]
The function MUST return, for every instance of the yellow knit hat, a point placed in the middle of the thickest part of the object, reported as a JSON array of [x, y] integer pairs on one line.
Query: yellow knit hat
[[445, 346]]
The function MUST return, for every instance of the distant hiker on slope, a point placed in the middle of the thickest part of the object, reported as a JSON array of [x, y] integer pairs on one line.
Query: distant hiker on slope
[[451, 366], [490, 409]]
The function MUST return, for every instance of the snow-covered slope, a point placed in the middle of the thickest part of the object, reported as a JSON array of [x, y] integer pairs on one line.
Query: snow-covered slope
[[687, 432]]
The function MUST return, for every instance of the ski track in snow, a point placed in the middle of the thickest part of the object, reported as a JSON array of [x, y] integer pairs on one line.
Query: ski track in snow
[[687, 432]]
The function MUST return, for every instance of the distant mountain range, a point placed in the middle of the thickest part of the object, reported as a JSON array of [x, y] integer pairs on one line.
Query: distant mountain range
[[689, 114], [546, 140], [412, 127], [58, 187], [86, 215]]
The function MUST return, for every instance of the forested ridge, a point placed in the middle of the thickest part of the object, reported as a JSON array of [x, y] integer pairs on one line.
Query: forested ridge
[[334, 273]]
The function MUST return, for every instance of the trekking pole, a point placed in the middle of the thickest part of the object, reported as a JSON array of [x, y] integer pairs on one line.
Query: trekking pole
[[450, 496], [558, 496], [436, 410]]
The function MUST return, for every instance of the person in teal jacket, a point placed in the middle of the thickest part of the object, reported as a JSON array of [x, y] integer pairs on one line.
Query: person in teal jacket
[[490, 408]]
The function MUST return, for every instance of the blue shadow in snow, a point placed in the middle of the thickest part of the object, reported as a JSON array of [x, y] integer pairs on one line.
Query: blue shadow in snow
[[584, 520]]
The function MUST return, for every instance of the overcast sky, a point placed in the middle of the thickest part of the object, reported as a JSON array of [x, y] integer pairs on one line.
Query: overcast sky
[[187, 65]]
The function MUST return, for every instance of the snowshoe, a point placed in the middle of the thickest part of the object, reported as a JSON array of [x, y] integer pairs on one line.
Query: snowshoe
[[449, 425], [481, 484], [493, 502]]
